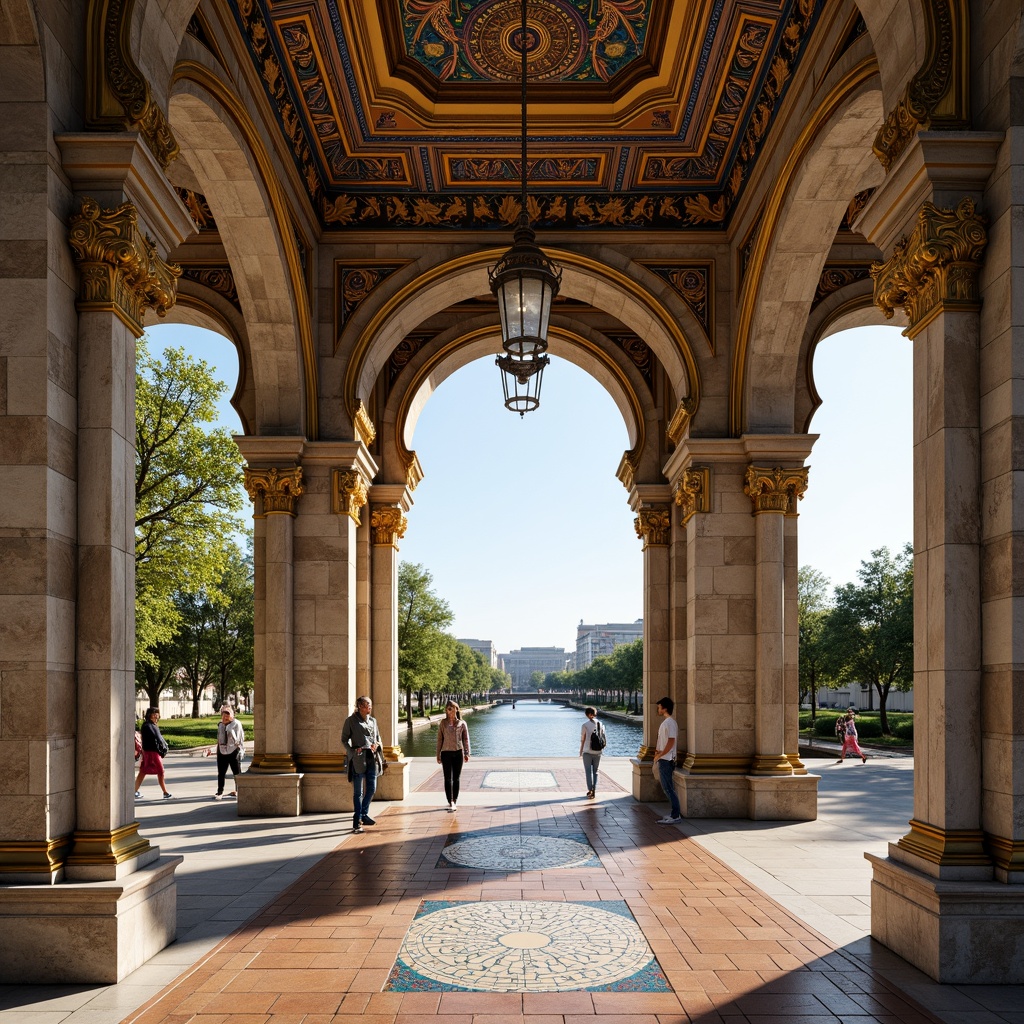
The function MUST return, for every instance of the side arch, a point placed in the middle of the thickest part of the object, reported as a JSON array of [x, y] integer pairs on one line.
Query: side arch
[[221, 146]]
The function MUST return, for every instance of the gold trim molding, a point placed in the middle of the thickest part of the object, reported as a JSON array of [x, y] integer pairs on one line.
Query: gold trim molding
[[715, 764], [392, 753], [365, 430], [693, 494], [653, 525], [946, 847], [279, 489], [936, 268], [117, 93], [938, 96], [274, 764], [119, 267], [45, 857], [1007, 854], [112, 847], [774, 489], [349, 494], [320, 764], [680, 421], [646, 753], [771, 764], [388, 525]]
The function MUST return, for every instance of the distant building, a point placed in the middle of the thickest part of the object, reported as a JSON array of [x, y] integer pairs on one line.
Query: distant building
[[596, 639], [484, 647], [521, 664]]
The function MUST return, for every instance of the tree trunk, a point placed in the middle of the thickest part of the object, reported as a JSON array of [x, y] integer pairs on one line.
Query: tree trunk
[[883, 718]]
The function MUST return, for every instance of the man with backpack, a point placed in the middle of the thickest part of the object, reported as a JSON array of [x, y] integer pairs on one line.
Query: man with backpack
[[593, 740]]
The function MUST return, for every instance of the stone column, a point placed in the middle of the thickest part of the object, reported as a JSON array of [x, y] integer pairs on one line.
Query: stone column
[[388, 503], [653, 527]]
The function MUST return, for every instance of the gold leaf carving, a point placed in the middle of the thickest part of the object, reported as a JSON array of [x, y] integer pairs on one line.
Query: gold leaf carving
[[653, 525], [680, 420], [119, 265], [936, 267], [365, 430], [350, 494], [388, 525], [279, 488], [693, 494], [774, 489]]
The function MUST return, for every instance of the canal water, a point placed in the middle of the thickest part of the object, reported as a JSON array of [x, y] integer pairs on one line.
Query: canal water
[[530, 729]]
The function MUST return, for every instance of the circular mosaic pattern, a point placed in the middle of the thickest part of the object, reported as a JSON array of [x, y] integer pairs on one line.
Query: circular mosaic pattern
[[525, 946], [517, 853], [519, 780], [555, 40]]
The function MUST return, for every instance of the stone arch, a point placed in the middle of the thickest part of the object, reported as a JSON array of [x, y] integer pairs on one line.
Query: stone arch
[[899, 38], [425, 291], [220, 146], [828, 165]]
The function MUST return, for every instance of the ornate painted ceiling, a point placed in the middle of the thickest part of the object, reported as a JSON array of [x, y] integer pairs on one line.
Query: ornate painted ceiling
[[642, 113]]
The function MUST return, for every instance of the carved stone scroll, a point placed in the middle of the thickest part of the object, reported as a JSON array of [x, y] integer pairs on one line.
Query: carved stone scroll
[[388, 525], [693, 494]]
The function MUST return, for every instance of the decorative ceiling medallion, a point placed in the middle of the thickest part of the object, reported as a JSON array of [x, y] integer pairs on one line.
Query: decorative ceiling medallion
[[478, 40]]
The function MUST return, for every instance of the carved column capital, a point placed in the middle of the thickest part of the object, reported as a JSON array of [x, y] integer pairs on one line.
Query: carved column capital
[[694, 492], [349, 493], [774, 489], [936, 268], [388, 525], [278, 488], [365, 430], [119, 266], [653, 525]]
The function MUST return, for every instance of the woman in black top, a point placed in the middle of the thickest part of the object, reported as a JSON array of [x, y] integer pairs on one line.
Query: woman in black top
[[154, 746]]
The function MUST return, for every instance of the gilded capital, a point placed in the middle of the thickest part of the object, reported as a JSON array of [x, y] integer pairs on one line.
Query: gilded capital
[[653, 525], [365, 430], [279, 488], [677, 427], [388, 525], [694, 492], [119, 265], [936, 268], [349, 493], [774, 489]]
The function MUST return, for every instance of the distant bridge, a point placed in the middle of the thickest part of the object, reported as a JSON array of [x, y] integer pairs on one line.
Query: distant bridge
[[555, 698]]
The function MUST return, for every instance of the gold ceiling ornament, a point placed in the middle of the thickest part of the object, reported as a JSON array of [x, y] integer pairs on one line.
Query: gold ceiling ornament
[[676, 430], [936, 268], [938, 95], [117, 92], [365, 430], [279, 488], [349, 494], [388, 525], [653, 525], [693, 494], [775, 489], [120, 269]]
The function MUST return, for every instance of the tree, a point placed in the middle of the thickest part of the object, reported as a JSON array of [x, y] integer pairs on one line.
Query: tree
[[230, 652], [813, 607], [537, 681], [187, 490], [627, 662], [425, 651], [871, 628]]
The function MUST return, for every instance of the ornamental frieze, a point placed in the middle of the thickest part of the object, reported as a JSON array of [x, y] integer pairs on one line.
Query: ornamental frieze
[[216, 278], [693, 494], [838, 275], [279, 489], [403, 352], [355, 280], [775, 489], [694, 283], [119, 267], [653, 525], [198, 209], [639, 354], [936, 268], [388, 525], [349, 494]]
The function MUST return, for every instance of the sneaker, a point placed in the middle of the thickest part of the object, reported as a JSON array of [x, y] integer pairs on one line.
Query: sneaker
[[167, 796], [669, 820], [590, 794], [369, 821], [138, 795], [232, 796], [840, 761], [358, 828], [218, 796], [451, 807], [455, 807], [863, 758]]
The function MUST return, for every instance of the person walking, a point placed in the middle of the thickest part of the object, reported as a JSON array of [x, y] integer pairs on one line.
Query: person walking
[[230, 748], [665, 758], [850, 744], [592, 742], [452, 751], [361, 739], [154, 748]]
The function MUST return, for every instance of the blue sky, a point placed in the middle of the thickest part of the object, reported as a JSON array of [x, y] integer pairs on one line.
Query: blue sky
[[526, 530]]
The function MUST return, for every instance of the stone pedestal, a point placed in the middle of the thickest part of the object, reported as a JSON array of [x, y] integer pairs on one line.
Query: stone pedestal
[[782, 798], [957, 932], [394, 783], [646, 788], [271, 796], [327, 792], [712, 796], [97, 932]]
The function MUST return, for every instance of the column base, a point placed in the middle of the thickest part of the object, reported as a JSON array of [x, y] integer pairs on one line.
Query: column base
[[957, 932], [270, 796], [394, 783], [327, 792], [88, 932], [712, 796], [646, 787], [754, 797]]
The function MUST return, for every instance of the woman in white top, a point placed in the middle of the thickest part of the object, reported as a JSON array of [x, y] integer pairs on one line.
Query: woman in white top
[[591, 757], [452, 751], [230, 748]]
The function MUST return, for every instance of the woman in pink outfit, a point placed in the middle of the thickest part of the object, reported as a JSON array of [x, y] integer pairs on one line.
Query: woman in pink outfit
[[850, 744]]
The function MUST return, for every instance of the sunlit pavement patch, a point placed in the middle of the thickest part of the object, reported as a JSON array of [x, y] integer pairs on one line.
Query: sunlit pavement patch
[[519, 780], [516, 852], [525, 946]]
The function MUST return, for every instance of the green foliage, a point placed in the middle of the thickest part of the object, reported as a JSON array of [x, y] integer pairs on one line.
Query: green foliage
[[904, 730], [187, 491], [816, 669], [185, 733], [825, 724], [426, 652]]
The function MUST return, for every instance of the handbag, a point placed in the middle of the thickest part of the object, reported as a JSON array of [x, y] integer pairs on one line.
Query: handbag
[[382, 765]]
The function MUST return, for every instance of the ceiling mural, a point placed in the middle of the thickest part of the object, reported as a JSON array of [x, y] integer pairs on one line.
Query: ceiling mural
[[642, 113]]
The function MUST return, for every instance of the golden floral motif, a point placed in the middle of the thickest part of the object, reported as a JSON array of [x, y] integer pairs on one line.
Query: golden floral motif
[[388, 525], [676, 429], [280, 489], [693, 494], [775, 489], [935, 268], [119, 265], [365, 430], [653, 525], [350, 494], [835, 276], [218, 279]]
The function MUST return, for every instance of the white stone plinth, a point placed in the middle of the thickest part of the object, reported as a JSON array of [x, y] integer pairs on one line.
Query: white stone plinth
[[87, 932], [957, 932], [646, 788], [394, 783], [782, 797], [269, 796], [712, 796], [326, 792]]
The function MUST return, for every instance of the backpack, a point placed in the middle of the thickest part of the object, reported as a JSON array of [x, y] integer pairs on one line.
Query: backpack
[[841, 727], [598, 740]]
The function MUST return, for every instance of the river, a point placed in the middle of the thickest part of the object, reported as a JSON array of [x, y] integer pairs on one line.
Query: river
[[530, 729]]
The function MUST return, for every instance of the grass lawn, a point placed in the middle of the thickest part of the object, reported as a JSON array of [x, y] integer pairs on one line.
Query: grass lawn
[[869, 728], [183, 733]]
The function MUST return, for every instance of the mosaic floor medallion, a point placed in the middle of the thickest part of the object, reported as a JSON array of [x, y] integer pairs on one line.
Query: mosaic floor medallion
[[526, 946], [519, 780], [515, 852]]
